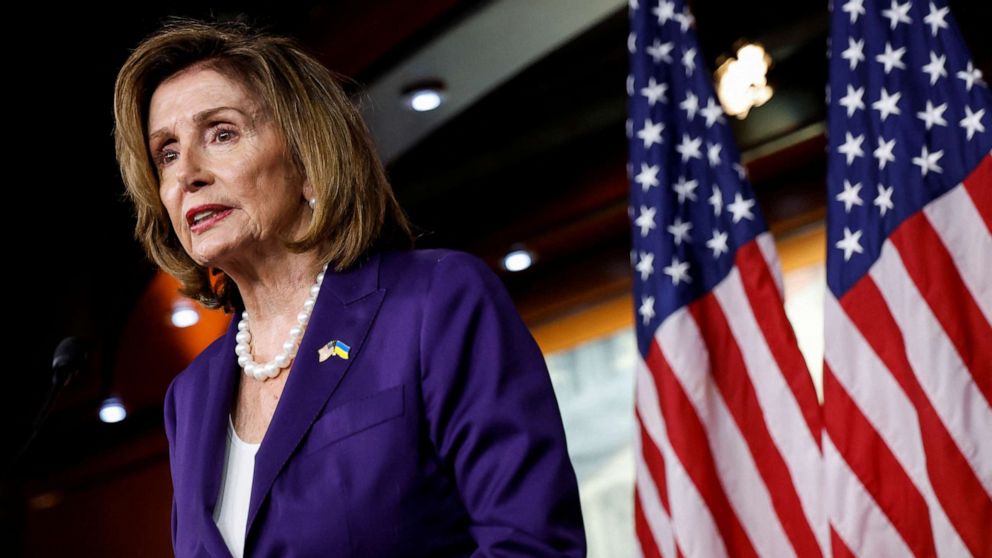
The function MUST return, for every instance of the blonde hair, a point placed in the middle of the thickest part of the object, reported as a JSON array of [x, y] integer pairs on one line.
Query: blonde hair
[[356, 209]]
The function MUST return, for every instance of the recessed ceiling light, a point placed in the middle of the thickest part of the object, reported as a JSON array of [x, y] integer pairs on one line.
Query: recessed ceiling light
[[424, 96], [112, 410], [184, 315], [518, 260]]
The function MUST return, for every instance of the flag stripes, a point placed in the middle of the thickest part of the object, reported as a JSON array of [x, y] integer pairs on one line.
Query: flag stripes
[[693, 526], [894, 340], [735, 415], [777, 335], [908, 335], [860, 526], [729, 456]]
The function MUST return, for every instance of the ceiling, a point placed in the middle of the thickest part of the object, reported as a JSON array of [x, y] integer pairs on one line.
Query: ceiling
[[536, 157]]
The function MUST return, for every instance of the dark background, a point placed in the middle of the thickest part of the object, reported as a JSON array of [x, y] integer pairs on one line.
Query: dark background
[[539, 160]]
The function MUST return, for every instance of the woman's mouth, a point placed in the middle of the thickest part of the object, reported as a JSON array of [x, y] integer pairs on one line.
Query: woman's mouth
[[208, 219]]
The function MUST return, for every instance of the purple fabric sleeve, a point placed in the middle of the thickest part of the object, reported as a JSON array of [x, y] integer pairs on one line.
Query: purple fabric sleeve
[[493, 416]]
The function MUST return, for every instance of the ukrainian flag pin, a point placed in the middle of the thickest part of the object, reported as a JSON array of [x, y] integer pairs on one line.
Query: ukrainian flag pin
[[334, 348]]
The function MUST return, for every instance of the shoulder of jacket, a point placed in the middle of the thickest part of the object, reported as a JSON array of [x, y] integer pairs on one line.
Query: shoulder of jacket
[[422, 255], [405, 265]]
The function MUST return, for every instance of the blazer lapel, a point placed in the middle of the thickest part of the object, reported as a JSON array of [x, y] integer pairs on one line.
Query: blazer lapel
[[222, 382], [345, 309]]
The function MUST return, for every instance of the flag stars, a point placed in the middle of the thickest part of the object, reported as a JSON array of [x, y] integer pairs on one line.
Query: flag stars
[[853, 101], [655, 91], [855, 8], [646, 220], [884, 152], [689, 148], [632, 42], [850, 244], [648, 176], [740, 208], [898, 13], [850, 196], [659, 51], [713, 112], [678, 271], [935, 19], [970, 75], [650, 133], [855, 52], [689, 61], [928, 161], [647, 309], [713, 153], [852, 147], [933, 115], [972, 121], [685, 19], [718, 243], [690, 105], [891, 58], [716, 200], [741, 171], [686, 189], [664, 12], [680, 231], [887, 105], [936, 67], [884, 199], [646, 266]]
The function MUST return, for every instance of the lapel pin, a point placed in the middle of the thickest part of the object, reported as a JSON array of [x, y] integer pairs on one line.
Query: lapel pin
[[334, 348]]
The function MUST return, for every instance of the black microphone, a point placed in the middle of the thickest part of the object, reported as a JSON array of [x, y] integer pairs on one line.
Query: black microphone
[[69, 358]]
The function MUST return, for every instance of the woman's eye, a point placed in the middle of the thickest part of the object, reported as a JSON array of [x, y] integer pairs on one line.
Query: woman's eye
[[223, 135], [165, 157]]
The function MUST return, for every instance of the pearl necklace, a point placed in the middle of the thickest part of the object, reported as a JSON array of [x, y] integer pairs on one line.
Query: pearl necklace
[[289, 348]]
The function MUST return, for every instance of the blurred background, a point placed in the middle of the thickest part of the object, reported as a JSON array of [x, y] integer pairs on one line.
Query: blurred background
[[525, 155]]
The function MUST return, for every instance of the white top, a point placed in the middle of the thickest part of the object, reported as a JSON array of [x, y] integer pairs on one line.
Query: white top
[[231, 511]]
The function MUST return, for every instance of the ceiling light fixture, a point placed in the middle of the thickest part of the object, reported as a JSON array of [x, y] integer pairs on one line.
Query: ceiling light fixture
[[112, 410], [184, 315], [518, 260], [424, 96], [742, 82]]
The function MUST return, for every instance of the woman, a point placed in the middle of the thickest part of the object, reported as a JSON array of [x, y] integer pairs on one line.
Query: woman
[[368, 399]]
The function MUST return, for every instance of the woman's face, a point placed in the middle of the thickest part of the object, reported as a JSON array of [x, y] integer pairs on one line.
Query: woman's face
[[216, 151]]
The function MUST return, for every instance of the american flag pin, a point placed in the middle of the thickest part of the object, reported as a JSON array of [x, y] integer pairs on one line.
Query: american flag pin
[[334, 348]]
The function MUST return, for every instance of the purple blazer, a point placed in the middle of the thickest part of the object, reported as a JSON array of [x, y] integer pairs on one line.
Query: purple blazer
[[438, 435]]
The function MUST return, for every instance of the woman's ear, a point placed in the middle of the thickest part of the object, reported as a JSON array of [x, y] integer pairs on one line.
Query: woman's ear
[[308, 190]]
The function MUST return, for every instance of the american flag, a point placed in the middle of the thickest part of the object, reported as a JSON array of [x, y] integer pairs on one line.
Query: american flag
[[908, 363], [728, 458]]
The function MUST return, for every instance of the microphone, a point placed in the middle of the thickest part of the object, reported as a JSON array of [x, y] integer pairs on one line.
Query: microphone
[[69, 358]]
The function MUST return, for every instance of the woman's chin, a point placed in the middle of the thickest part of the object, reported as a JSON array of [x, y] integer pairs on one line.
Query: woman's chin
[[211, 256]]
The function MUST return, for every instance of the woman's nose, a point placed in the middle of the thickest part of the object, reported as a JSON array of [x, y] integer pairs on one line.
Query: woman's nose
[[193, 173]]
